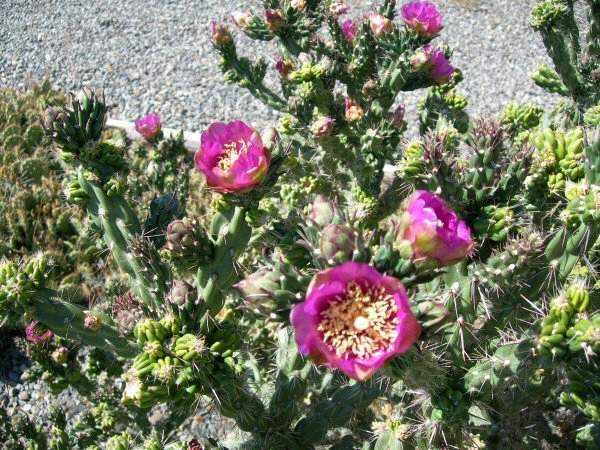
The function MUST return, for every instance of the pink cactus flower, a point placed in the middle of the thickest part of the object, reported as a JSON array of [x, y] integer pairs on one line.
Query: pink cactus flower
[[338, 8], [423, 17], [220, 34], [32, 334], [349, 29], [435, 62], [435, 231], [232, 157], [354, 319], [149, 126], [380, 25], [353, 110], [241, 19]]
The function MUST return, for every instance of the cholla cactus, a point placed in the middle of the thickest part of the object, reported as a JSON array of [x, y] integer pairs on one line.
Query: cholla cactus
[[346, 289]]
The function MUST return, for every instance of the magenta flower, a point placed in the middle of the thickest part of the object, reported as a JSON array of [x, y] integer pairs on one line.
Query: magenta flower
[[354, 319], [33, 334], [423, 17], [349, 29], [435, 231], [435, 62], [149, 126], [232, 157], [380, 25], [220, 34]]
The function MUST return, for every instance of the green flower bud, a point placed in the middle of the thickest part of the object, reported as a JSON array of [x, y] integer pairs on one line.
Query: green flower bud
[[338, 243]]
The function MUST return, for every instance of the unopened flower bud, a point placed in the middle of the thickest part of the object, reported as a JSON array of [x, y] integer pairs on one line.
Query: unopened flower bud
[[60, 355], [380, 25], [180, 293], [338, 242], [220, 34], [349, 29], [354, 111], [274, 20], [322, 127], [270, 138], [92, 322], [322, 211], [179, 235]]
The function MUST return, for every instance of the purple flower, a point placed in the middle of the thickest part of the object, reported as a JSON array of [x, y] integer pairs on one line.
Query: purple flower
[[220, 34], [148, 126], [434, 230], [380, 25], [35, 335], [232, 157], [354, 319], [435, 62], [423, 17], [349, 29], [398, 116]]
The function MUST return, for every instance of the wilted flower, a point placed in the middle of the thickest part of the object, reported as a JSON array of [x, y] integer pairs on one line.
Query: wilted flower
[[274, 19], [232, 157], [92, 322], [353, 110], [354, 319], [180, 293], [284, 67], [322, 127], [241, 18], [37, 336], [195, 445], [435, 62], [220, 34], [338, 8], [60, 355], [149, 126], [379, 24], [398, 116], [423, 17], [434, 230], [349, 29]]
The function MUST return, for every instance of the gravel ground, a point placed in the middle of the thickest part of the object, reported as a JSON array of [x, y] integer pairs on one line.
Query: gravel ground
[[154, 55]]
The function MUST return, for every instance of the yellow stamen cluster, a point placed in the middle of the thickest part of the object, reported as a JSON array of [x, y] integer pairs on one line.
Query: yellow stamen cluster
[[360, 323], [232, 152]]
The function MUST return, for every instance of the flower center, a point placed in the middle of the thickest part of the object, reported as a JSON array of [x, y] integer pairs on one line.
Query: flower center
[[233, 151], [360, 323]]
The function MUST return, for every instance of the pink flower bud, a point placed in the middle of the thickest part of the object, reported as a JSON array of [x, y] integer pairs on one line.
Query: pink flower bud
[[149, 126], [380, 25], [435, 231], [354, 111], [232, 157], [423, 17], [349, 29], [354, 319], [220, 34]]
